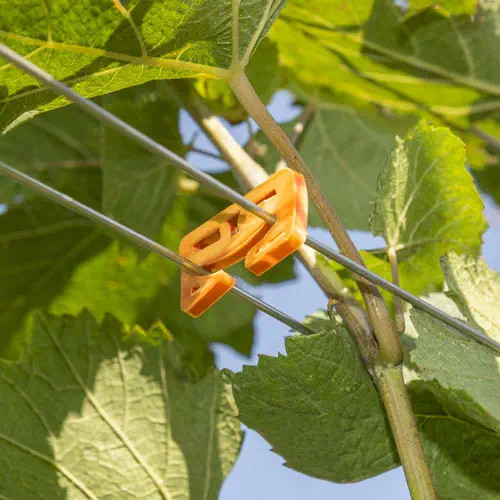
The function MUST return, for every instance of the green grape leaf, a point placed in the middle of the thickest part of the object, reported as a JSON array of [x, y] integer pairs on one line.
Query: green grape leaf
[[67, 142], [475, 289], [138, 187], [113, 281], [439, 67], [126, 424], [143, 291], [345, 149], [454, 389], [455, 49], [318, 407], [447, 7], [370, 52], [103, 46], [62, 262], [420, 209], [468, 370], [462, 456]]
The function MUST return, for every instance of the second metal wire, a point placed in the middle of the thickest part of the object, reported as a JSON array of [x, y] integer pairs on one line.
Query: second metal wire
[[225, 192]]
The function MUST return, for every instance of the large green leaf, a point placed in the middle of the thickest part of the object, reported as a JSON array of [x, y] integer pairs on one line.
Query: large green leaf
[[460, 376], [52, 148], [421, 209], [467, 370], [462, 455], [113, 281], [142, 291], [455, 384], [74, 270], [441, 67], [370, 52], [86, 414], [345, 150], [319, 409], [100, 46]]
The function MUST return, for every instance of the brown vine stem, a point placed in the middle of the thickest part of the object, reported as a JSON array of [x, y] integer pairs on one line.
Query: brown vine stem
[[405, 431], [385, 333], [250, 174], [388, 364]]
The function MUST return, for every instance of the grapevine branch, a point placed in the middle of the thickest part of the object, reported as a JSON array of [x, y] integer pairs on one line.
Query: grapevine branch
[[388, 367], [389, 346]]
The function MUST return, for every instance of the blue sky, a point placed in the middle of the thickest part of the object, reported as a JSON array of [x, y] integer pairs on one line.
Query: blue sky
[[259, 473]]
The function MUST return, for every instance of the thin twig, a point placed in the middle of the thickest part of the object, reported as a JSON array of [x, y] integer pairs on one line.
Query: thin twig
[[249, 173], [492, 141], [300, 128], [399, 316], [200, 151]]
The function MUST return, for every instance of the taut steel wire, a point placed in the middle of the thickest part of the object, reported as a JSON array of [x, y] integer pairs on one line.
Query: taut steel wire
[[141, 240], [224, 191]]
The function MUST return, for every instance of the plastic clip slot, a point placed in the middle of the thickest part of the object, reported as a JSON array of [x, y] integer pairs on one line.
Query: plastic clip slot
[[236, 234]]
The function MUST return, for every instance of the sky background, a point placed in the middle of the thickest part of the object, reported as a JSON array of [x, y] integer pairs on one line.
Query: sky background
[[259, 472]]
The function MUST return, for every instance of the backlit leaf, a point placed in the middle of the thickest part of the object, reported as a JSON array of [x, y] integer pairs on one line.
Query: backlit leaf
[[40, 246], [345, 150], [101, 46], [420, 209], [86, 414], [373, 52]]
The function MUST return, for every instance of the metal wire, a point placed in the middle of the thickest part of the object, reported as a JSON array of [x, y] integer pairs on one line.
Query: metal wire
[[412, 299], [225, 192], [142, 240]]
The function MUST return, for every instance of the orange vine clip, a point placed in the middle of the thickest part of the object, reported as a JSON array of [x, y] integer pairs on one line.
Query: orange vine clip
[[236, 234]]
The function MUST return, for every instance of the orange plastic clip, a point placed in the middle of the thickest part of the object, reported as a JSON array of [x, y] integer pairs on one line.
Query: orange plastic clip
[[235, 234]]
